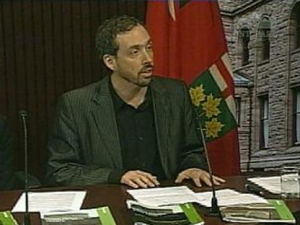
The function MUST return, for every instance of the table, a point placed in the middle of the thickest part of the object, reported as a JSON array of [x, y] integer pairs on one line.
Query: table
[[115, 196]]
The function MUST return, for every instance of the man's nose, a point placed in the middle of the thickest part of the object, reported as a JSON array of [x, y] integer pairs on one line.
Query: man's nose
[[148, 56]]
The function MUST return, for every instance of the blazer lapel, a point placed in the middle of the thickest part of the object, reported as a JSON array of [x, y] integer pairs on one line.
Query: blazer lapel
[[161, 116], [104, 116]]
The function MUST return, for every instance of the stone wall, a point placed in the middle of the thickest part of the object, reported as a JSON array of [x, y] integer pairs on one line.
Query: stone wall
[[274, 77]]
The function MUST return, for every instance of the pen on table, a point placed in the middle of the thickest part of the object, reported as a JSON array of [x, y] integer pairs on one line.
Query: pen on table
[[255, 190]]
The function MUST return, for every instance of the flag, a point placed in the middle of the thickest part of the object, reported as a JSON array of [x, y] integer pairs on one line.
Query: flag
[[189, 44]]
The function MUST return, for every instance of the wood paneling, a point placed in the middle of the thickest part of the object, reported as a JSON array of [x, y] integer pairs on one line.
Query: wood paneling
[[46, 49]]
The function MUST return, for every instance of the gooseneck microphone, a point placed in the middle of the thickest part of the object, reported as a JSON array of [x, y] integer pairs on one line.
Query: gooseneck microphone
[[214, 210], [23, 115]]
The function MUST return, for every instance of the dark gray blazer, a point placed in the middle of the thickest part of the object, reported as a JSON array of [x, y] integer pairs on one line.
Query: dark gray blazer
[[84, 145]]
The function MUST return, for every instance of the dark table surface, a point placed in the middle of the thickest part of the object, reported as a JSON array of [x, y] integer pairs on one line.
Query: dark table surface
[[115, 197]]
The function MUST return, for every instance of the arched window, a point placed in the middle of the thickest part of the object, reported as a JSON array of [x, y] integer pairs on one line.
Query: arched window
[[295, 26], [264, 38], [244, 41]]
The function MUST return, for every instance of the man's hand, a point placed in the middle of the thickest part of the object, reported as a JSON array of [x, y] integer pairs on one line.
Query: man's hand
[[137, 179], [198, 176]]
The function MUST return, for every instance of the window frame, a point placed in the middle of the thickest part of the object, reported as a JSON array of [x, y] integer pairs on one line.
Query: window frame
[[245, 39], [238, 104], [264, 122], [264, 30], [296, 116]]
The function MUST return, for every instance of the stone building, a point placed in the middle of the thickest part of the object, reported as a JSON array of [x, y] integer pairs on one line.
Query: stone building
[[264, 45]]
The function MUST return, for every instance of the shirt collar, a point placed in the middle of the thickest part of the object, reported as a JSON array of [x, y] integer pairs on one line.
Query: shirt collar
[[119, 102]]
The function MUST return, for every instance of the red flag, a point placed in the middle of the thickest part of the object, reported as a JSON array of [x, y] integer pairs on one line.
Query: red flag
[[189, 43]]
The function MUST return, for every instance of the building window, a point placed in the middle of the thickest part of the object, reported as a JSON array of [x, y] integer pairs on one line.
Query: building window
[[244, 40], [295, 26], [238, 110], [296, 116], [264, 38], [264, 121]]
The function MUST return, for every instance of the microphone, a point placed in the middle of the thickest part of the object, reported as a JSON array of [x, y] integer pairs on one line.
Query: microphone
[[214, 210], [23, 115]]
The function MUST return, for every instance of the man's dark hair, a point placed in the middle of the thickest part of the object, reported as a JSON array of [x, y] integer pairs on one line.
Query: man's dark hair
[[107, 32]]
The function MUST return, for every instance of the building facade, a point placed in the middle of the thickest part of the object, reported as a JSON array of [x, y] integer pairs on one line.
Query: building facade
[[264, 45]]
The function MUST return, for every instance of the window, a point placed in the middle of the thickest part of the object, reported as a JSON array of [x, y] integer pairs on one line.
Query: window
[[295, 26], [244, 39], [238, 110], [264, 39], [264, 121], [296, 116]]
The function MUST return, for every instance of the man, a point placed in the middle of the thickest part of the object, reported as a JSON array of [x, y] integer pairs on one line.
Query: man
[[131, 127], [6, 156]]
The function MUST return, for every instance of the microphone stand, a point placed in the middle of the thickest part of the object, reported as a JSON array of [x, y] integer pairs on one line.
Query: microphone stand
[[214, 210], [23, 115]]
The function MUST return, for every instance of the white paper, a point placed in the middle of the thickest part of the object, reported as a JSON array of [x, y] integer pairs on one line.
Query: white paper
[[51, 201], [227, 197], [163, 196], [271, 184]]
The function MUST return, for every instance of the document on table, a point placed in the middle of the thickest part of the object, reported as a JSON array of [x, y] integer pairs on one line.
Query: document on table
[[93, 216], [87, 213], [163, 196], [227, 197], [271, 184], [51, 201]]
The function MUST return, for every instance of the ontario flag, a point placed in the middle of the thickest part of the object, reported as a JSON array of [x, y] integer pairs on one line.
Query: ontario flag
[[189, 44]]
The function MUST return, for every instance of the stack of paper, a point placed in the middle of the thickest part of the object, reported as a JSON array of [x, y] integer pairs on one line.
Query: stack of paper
[[234, 206], [63, 207], [170, 205], [95, 216], [51, 201], [182, 214], [271, 184], [182, 194], [227, 197], [275, 211], [163, 196]]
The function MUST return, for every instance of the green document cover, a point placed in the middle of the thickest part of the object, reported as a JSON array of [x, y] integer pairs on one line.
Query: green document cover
[[94, 216], [276, 211], [6, 218], [105, 216], [191, 213]]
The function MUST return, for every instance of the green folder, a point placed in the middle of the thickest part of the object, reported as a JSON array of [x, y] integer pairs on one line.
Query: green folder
[[6, 218], [192, 214], [105, 216]]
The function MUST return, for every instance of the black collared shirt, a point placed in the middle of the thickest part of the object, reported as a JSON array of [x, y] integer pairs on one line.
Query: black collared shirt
[[136, 127]]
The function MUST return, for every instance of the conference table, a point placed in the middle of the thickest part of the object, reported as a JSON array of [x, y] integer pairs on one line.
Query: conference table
[[115, 197]]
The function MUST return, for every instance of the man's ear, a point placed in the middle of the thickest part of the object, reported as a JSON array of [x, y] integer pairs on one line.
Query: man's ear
[[109, 61]]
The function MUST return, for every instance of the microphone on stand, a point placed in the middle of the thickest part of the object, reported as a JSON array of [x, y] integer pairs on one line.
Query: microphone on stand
[[23, 115], [214, 210]]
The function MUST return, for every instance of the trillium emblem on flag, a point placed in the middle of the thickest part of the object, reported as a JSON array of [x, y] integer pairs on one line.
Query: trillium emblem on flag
[[214, 109], [207, 106]]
